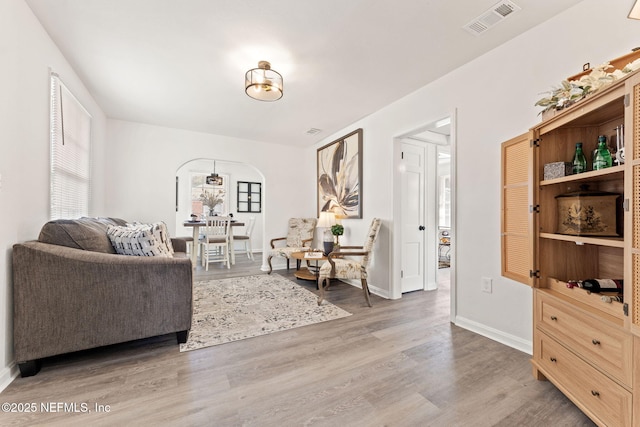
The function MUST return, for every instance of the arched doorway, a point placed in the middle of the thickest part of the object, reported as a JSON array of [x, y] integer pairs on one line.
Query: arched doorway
[[193, 193]]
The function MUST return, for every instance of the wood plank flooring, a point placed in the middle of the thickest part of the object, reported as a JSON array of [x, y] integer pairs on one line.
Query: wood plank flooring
[[400, 363]]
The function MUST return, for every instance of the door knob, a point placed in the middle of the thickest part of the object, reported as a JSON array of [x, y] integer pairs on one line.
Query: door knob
[[421, 228]]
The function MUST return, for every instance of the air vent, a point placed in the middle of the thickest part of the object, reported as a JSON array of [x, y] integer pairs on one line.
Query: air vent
[[491, 17], [313, 131]]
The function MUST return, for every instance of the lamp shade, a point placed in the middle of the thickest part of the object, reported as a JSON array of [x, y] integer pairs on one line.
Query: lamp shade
[[635, 11], [263, 83], [326, 220]]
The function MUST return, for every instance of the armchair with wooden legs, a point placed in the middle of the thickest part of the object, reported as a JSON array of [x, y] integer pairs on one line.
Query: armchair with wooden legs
[[341, 266], [298, 239]]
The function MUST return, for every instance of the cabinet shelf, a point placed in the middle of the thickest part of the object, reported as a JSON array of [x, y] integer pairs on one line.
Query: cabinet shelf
[[591, 301], [613, 242], [614, 172]]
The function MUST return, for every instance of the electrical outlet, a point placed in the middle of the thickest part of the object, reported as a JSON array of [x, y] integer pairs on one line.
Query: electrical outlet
[[486, 284]]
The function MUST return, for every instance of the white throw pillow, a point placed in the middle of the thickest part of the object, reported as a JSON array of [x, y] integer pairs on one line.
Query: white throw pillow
[[141, 239]]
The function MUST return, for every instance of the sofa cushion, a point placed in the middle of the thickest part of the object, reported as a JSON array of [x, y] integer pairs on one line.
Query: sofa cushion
[[85, 233], [141, 239]]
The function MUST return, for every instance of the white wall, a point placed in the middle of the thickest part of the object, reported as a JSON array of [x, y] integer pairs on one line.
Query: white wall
[[141, 174], [26, 53], [494, 97]]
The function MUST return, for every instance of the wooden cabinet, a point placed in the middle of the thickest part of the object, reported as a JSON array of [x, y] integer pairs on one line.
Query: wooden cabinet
[[582, 344]]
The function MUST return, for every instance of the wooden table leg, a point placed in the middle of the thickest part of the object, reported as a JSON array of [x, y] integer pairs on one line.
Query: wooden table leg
[[195, 246]]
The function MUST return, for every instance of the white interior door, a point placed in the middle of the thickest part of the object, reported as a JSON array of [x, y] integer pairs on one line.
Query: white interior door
[[413, 217]]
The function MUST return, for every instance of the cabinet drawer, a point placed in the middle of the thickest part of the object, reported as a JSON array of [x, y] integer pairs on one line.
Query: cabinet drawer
[[593, 392], [606, 346]]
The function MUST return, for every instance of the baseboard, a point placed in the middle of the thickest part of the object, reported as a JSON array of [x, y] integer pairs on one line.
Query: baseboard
[[496, 335], [7, 375], [383, 293]]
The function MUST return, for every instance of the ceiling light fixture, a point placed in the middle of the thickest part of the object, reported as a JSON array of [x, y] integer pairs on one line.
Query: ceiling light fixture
[[635, 11], [214, 178], [263, 83]]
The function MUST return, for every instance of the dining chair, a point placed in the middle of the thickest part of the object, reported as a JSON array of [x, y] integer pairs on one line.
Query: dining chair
[[298, 239], [215, 242], [341, 265], [246, 238]]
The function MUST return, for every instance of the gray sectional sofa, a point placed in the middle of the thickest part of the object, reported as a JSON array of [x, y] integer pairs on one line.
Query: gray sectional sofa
[[72, 292]]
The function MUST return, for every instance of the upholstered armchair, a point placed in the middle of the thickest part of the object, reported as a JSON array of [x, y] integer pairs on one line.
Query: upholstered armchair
[[299, 238], [350, 262]]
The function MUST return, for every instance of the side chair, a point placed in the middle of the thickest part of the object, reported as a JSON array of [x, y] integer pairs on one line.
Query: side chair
[[339, 265], [216, 236], [246, 238], [299, 238]]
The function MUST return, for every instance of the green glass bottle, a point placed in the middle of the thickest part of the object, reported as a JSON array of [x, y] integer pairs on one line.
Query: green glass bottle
[[602, 159], [607, 154], [579, 161]]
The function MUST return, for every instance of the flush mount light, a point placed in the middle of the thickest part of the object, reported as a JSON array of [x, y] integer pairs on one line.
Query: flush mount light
[[263, 83]]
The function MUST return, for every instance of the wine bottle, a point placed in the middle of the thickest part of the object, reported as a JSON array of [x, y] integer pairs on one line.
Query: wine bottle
[[611, 298], [579, 161], [601, 285]]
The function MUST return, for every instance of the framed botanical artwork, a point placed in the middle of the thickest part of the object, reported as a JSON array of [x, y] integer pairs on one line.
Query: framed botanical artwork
[[340, 176]]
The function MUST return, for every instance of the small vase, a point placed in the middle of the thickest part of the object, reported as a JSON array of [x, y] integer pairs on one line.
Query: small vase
[[328, 247]]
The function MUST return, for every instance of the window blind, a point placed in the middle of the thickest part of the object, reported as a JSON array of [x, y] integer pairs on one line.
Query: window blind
[[70, 138]]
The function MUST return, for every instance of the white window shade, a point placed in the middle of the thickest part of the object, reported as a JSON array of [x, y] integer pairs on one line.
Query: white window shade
[[70, 154]]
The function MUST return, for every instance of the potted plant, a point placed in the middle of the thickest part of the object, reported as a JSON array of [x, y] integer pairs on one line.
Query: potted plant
[[337, 230]]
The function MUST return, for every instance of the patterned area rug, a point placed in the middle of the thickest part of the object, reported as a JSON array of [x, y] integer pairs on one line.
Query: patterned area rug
[[243, 307]]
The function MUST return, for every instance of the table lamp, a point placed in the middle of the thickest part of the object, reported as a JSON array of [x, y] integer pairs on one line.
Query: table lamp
[[326, 220]]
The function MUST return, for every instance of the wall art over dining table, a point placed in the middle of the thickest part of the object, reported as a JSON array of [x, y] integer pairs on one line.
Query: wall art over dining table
[[340, 176]]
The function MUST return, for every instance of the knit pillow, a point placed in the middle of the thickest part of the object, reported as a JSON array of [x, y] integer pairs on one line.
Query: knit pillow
[[141, 240]]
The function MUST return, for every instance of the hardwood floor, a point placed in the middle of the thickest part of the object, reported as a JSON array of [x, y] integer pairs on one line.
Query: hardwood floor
[[400, 363]]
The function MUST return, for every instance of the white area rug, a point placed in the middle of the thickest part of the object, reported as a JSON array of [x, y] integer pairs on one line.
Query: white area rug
[[233, 309]]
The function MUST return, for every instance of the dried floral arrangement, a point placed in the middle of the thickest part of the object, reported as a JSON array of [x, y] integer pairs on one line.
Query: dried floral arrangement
[[573, 91], [212, 199]]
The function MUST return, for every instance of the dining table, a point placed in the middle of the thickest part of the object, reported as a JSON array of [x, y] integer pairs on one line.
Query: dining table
[[196, 236]]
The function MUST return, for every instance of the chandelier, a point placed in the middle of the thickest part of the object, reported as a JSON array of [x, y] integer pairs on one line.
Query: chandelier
[[214, 178]]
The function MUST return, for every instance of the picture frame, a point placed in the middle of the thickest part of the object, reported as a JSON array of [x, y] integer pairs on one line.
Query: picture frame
[[339, 177]]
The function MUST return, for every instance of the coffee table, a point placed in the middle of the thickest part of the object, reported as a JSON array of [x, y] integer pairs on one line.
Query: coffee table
[[304, 273]]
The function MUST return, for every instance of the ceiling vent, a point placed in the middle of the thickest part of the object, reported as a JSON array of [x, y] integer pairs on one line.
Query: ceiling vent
[[313, 131], [491, 17]]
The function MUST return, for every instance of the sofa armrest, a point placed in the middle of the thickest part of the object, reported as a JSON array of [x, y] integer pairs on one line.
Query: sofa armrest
[[69, 299], [179, 244]]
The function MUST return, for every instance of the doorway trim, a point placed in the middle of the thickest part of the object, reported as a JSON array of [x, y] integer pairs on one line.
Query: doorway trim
[[396, 286]]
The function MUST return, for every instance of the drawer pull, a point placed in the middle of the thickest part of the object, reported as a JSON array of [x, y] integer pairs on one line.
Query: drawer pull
[[554, 318], [595, 393], [595, 342], [553, 359]]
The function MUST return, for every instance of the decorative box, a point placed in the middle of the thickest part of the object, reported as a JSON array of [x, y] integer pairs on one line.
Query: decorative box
[[557, 170], [587, 213]]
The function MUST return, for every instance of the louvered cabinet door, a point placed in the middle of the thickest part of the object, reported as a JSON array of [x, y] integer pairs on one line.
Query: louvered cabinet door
[[632, 184], [517, 238]]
